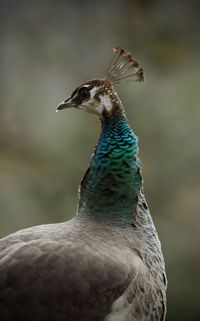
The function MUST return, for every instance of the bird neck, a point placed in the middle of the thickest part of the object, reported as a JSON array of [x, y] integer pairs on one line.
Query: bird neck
[[110, 187]]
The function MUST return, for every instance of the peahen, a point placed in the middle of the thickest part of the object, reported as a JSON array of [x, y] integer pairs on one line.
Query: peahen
[[106, 263]]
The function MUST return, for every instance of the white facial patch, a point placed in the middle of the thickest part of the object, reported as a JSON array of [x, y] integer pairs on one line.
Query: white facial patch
[[97, 106], [106, 102]]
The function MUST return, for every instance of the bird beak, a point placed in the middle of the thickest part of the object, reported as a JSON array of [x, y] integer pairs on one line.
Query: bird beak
[[66, 104]]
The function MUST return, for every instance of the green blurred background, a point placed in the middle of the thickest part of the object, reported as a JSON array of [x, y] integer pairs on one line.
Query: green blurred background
[[47, 49]]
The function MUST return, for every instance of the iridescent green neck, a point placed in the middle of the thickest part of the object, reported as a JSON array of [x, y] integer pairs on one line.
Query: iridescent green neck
[[109, 190]]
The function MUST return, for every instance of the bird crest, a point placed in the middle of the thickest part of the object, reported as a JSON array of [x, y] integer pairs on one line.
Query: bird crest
[[123, 68]]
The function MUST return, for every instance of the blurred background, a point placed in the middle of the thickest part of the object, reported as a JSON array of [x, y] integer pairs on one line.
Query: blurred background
[[50, 47]]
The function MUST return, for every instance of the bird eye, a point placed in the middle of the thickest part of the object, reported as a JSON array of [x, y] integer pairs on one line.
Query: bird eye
[[84, 93]]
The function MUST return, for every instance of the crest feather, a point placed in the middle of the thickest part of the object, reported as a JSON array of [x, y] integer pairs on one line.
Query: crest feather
[[123, 68]]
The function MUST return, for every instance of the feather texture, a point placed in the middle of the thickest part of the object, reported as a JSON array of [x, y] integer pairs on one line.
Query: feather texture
[[123, 68], [110, 186]]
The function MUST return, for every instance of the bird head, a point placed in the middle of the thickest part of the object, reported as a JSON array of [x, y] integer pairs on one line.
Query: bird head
[[94, 96], [98, 96]]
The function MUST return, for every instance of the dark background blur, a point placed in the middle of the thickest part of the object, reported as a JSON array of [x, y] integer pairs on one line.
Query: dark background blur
[[47, 49]]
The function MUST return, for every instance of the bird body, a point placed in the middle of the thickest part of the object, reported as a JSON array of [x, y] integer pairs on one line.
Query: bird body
[[77, 268], [106, 263]]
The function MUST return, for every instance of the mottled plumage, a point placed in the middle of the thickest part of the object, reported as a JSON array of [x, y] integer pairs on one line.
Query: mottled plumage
[[106, 263]]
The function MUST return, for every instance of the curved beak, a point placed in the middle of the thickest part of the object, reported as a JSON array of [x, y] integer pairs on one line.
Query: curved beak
[[65, 104]]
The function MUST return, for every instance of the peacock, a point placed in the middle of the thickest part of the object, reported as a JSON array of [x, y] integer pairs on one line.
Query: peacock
[[106, 263]]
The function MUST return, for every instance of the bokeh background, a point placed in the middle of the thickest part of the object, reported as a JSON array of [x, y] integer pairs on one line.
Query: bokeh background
[[47, 49]]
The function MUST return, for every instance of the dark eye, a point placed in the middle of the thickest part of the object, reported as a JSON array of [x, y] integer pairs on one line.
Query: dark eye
[[84, 93]]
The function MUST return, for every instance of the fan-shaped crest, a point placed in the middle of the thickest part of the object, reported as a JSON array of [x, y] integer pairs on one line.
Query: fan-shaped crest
[[123, 68]]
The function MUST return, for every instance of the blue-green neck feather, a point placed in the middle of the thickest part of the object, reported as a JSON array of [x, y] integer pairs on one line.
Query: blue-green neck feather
[[111, 185]]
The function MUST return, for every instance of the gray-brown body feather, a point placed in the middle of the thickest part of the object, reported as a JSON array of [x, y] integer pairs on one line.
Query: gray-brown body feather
[[76, 270], [64, 268]]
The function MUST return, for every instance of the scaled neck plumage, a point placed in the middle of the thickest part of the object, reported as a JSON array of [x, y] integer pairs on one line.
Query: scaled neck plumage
[[110, 187]]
